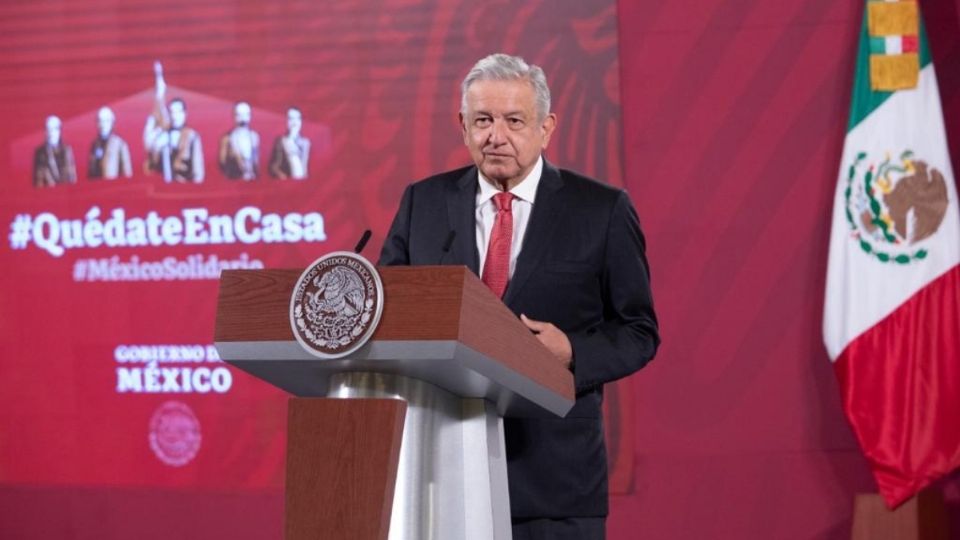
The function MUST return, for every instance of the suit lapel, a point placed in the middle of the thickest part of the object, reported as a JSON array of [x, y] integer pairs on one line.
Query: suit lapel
[[461, 210], [547, 210]]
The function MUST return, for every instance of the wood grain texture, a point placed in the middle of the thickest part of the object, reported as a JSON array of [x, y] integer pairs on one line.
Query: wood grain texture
[[253, 305], [923, 517], [422, 302], [342, 457]]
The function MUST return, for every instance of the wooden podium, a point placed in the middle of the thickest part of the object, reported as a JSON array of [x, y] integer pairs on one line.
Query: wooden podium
[[404, 437]]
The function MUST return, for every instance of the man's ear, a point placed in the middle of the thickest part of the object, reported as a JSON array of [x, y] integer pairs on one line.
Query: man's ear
[[547, 126], [463, 127]]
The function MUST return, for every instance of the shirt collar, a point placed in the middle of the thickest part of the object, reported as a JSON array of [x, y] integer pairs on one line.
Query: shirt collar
[[526, 190]]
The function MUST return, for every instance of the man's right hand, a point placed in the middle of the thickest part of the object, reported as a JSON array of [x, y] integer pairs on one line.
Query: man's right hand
[[552, 338], [158, 76]]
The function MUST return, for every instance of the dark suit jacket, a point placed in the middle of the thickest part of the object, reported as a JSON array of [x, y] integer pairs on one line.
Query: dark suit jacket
[[581, 267]]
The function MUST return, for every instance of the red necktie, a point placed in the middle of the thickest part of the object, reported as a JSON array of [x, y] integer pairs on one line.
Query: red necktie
[[496, 267]]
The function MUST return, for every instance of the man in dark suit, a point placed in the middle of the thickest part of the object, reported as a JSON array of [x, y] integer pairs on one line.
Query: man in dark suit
[[567, 255]]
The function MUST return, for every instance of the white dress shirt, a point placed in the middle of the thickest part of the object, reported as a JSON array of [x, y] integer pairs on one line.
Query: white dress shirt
[[486, 212]]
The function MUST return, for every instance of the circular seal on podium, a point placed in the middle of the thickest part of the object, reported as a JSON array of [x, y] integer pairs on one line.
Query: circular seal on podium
[[336, 304]]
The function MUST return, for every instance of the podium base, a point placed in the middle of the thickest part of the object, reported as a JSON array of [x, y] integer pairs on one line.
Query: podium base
[[923, 517], [341, 467], [452, 471]]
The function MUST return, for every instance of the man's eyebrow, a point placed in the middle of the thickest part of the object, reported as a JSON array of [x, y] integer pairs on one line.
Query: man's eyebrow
[[518, 112]]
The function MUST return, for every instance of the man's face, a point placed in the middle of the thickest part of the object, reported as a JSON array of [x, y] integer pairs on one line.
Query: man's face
[[53, 131], [104, 122], [502, 131], [242, 114], [294, 121], [178, 115]]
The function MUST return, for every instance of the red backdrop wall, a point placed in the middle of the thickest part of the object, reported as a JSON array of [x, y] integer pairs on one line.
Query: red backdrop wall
[[734, 115]]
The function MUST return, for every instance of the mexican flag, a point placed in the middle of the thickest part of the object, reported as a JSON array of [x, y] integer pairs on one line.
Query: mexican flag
[[892, 311]]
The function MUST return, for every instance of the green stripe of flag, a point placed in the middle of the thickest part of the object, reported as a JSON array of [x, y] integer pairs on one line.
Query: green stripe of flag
[[878, 45]]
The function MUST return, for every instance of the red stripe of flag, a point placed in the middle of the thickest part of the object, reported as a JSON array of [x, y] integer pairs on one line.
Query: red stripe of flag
[[900, 381], [910, 44]]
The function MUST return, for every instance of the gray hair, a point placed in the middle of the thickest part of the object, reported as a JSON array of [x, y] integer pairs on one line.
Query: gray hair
[[503, 67]]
